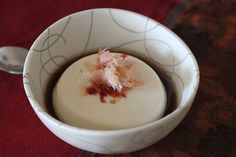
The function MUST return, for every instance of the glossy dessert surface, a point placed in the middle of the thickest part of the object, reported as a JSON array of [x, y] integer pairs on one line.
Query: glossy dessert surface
[[141, 101]]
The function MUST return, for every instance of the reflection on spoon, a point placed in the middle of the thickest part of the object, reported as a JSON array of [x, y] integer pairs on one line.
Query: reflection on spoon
[[12, 59]]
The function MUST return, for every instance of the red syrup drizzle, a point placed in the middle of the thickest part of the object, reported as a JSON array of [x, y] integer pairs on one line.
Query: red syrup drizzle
[[102, 87], [105, 90]]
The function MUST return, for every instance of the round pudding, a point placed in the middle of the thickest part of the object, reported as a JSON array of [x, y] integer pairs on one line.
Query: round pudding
[[135, 94]]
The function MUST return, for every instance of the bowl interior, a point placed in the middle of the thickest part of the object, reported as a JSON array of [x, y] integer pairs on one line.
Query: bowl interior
[[118, 30]]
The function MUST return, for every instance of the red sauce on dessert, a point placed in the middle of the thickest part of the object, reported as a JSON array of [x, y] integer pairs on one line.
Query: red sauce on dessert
[[104, 90], [111, 76]]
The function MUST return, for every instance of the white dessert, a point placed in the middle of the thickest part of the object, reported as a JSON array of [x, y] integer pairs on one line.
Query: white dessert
[[143, 102]]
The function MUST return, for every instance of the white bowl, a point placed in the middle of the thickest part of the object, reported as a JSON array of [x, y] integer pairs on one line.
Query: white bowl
[[117, 29]]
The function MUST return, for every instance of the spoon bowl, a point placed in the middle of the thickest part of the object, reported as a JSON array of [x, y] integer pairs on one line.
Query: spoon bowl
[[12, 59]]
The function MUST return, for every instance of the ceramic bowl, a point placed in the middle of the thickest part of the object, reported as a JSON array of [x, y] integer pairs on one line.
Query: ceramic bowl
[[90, 30]]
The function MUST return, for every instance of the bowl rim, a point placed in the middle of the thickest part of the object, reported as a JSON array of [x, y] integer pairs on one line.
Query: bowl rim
[[75, 129]]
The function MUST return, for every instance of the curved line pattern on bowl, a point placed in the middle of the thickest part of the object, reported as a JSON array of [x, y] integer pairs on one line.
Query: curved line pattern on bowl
[[47, 49], [144, 137], [27, 81], [60, 36], [90, 144], [140, 137], [89, 34], [129, 30]]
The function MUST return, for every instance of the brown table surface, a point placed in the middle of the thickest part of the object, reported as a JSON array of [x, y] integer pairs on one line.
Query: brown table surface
[[209, 129]]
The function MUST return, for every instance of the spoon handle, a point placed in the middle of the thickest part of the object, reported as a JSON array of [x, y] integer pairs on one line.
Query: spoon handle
[[84, 153]]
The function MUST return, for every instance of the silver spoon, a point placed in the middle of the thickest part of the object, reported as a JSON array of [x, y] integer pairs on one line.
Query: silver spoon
[[12, 59]]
